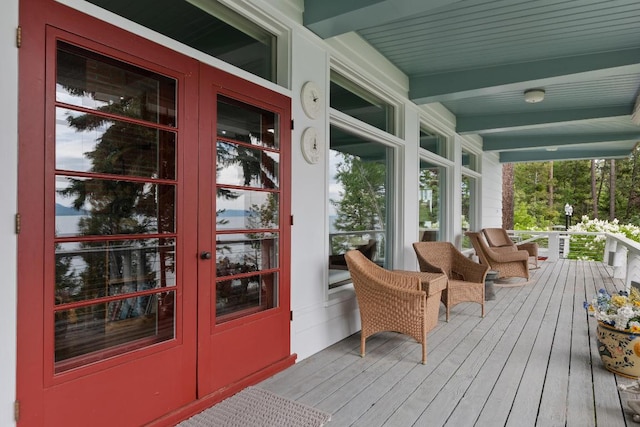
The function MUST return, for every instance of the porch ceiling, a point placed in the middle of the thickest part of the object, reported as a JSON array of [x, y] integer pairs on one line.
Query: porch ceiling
[[477, 57]]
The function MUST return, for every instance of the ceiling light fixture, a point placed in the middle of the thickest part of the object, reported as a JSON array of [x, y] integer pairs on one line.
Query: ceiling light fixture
[[533, 96]]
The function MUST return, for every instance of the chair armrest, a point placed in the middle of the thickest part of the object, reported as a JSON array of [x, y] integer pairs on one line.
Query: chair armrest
[[520, 255], [429, 281], [399, 280], [470, 270], [530, 247]]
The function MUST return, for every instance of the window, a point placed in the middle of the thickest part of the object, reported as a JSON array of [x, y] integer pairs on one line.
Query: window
[[360, 200], [433, 142], [469, 160], [432, 201], [358, 103], [208, 27], [468, 208]]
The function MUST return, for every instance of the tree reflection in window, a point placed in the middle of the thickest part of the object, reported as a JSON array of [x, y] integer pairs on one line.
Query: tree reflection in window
[[123, 186]]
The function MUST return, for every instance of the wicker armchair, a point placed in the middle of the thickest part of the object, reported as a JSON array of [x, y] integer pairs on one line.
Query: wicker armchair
[[499, 240], [465, 278], [507, 264], [389, 301]]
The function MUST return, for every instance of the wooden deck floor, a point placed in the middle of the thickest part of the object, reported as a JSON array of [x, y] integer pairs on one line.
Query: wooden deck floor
[[532, 361]]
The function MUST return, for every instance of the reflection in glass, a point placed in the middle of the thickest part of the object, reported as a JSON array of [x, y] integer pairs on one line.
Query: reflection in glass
[[361, 174], [468, 208], [246, 123], [469, 160], [91, 330], [235, 297], [207, 26], [433, 142], [87, 206], [245, 253], [86, 79], [90, 270], [90, 143], [110, 295], [351, 99], [245, 166], [431, 205], [240, 209]]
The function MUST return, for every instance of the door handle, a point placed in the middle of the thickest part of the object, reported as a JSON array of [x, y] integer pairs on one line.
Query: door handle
[[205, 255]]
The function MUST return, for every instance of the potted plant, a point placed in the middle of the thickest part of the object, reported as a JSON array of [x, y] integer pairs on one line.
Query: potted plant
[[618, 331]]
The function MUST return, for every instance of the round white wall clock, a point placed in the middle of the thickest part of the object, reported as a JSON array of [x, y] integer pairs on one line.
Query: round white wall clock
[[311, 99], [311, 145]]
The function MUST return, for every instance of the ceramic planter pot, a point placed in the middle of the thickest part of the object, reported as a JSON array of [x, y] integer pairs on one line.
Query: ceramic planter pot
[[619, 350]]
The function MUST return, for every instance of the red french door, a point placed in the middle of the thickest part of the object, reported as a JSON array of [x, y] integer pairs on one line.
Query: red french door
[[154, 203], [106, 280], [243, 298]]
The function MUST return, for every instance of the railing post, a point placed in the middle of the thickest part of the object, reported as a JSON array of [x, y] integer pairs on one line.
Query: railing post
[[554, 246], [620, 263], [609, 251], [565, 245], [633, 269]]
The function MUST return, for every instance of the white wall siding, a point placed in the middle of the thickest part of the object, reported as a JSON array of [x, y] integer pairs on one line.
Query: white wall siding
[[8, 209], [491, 215]]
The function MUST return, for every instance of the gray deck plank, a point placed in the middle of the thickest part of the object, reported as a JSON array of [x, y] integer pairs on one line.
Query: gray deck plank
[[514, 407], [580, 406], [532, 361], [505, 368], [399, 392]]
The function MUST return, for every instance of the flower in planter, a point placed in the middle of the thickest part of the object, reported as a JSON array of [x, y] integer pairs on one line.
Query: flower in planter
[[621, 310]]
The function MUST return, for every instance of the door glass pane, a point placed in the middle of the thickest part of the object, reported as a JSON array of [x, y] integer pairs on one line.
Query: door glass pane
[[247, 166], [102, 207], [90, 270], [245, 123], [94, 332], [243, 295], [247, 198], [361, 172], [112, 177], [237, 209], [89, 80], [90, 143], [432, 192]]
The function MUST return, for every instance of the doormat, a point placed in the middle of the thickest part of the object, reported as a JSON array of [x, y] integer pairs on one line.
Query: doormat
[[255, 407]]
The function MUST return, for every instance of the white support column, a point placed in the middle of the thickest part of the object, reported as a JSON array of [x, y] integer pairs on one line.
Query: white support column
[[554, 246]]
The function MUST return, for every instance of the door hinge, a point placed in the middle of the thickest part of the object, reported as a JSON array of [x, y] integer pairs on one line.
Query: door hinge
[[291, 124], [16, 410], [18, 223], [291, 315], [19, 36], [291, 219]]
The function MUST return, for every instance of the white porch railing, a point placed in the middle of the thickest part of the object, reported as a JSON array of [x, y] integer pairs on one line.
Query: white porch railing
[[624, 256], [620, 252]]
